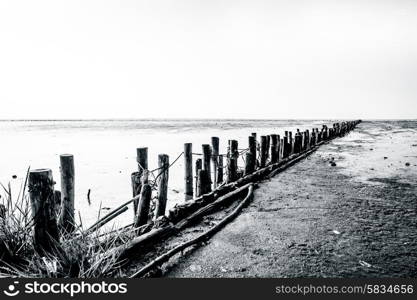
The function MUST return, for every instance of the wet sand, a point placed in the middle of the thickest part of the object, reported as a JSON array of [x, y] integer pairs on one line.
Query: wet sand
[[355, 219]]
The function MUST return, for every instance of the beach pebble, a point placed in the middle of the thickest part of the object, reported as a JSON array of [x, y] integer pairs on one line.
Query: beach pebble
[[195, 268], [14, 176], [385, 157], [407, 164], [333, 164]]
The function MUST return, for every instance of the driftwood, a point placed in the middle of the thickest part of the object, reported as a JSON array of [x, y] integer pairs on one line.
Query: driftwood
[[165, 257], [104, 221], [111, 215], [155, 235]]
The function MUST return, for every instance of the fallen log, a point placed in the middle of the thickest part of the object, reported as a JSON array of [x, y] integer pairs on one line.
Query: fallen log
[[165, 257], [111, 215], [133, 247]]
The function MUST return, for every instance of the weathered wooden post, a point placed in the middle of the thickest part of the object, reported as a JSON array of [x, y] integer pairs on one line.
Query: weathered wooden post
[[41, 194], [231, 169], [219, 169], [214, 158], [136, 177], [142, 214], [161, 203], [290, 143], [268, 144], [278, 147], [274, 148], [203, 183], [188, 171], [252, 151], [207, 160], [66, 218], [285, 148], [249, 163], [198, 166], [297, 143], [263, 151]]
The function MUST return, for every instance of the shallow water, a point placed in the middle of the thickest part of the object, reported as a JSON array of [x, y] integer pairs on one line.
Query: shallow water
[[389, 145]]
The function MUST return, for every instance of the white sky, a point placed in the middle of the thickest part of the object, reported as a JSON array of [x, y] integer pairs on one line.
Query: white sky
[[208, 59]]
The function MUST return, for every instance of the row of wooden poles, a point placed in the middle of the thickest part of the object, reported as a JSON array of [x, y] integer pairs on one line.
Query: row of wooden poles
[[209, 172], [53, 211]]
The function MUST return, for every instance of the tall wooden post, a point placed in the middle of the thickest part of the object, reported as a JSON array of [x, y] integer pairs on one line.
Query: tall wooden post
[[163, 164], [207, 160], [141, 217], [203, 183], [278, 147], [290, 142], [252, 151], [198, 167], [286, 147], [233, 157], [231, 169], [188, 171], [215, 158], [268, 144], [274, 148], [41, 194], [66, 219], [263, 151], [249, 163], [136, 177], [219, 169]]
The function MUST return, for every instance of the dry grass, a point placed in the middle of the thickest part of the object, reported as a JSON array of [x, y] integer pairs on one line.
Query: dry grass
[[77, 255]]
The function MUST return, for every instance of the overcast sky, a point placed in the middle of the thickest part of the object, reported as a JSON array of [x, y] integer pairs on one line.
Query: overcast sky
[[208, 59]]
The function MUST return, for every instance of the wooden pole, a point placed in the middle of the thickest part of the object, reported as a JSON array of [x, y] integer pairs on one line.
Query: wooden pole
[[286, 147], [41, 194], [66, 219], [252, 151], [278, 147], [207, 160], [268, 144], [274, 148], [249, 163], [163, 164], [203, 186], [136, 177], [231, 169], [263, 151], [188, 170], [214, 158], [198, 166], [144, 203], [219, 169]]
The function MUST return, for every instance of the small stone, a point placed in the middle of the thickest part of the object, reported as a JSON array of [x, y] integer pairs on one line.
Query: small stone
[[14, 176], [371, 149], [407, 164], [385, 157], [195, 268], [333, 164]]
